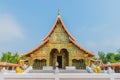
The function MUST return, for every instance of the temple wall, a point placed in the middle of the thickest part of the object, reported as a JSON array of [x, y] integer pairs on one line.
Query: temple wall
[[27, 79], [60, 76], [85, 79], [44, 52]]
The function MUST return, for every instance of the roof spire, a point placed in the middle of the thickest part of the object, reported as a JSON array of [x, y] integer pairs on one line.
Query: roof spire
[[58, 12]]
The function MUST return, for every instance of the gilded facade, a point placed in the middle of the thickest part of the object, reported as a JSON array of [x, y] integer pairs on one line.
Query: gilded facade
[[59, 46]]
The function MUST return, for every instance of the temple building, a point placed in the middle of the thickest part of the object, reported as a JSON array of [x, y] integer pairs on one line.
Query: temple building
[[59, 46]]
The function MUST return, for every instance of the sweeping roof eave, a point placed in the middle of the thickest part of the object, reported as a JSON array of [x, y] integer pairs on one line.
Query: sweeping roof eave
[[90, 53], [35, 48]]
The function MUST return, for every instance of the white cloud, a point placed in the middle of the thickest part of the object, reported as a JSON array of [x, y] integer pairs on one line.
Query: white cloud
[[107, 45], [10, 30]]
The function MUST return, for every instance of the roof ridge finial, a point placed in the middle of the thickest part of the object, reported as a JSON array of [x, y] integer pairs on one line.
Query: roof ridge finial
[[58, 11]]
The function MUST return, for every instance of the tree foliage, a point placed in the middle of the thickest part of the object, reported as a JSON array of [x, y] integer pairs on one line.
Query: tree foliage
[[109, 57], [117, 57], [11, 58], [102, 56]]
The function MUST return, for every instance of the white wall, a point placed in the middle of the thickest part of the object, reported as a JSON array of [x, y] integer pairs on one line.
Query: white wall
[[62, 76]]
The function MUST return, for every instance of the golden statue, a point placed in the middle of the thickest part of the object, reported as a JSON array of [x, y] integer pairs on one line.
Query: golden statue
[[19, 70], [97, 69]]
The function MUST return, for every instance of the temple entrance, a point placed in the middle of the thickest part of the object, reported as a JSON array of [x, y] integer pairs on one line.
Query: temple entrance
[[59, 60], [61, 57]]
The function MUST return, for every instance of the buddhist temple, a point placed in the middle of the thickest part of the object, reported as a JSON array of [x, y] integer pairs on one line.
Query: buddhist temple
[[59, 57], [59, 46]]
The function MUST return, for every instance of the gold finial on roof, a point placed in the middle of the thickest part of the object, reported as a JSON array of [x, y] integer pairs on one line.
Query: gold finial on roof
[[58, 12]]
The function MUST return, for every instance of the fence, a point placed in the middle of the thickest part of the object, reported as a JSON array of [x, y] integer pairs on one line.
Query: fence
[[60, 76]]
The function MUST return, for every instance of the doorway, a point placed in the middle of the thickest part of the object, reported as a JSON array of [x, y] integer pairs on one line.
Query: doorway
[[59, 60], [61, 57]]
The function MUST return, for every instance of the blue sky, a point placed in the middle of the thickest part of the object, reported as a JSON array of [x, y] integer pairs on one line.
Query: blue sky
[[94, 23]]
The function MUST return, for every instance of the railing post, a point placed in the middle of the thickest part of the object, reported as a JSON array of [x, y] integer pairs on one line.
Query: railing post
[[110, 71], [28, 69], [1, 76], [112, 77], [56, 72], [109, 68]]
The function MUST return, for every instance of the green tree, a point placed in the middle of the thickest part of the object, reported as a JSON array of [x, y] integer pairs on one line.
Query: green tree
[[112, 60], [102, 56], [110, 57], [11, 58], [117, 57], [6, 56]]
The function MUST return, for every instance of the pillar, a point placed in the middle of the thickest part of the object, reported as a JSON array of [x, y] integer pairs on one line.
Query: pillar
[[48, 60], [70, 61], [7, 67], [13, 68]]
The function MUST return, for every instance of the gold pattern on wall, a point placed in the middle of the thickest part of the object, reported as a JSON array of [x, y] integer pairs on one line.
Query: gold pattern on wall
[[59, 35]]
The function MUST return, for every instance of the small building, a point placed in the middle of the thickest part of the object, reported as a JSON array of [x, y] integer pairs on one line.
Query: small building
[[8, 66], [114, 66], [59, 46]]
